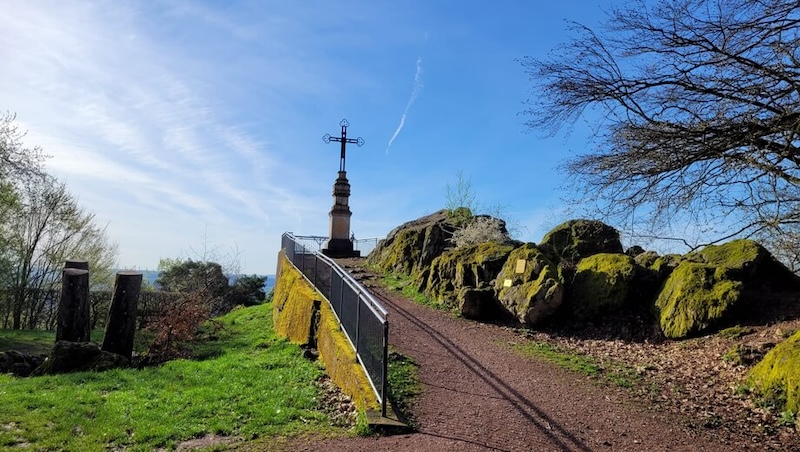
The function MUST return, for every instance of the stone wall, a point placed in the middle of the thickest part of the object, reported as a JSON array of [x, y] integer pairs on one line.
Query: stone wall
[[294, 304]]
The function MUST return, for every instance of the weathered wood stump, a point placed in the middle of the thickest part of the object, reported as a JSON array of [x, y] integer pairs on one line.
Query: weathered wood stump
[[121, 324], [74, 263], [73, 309]]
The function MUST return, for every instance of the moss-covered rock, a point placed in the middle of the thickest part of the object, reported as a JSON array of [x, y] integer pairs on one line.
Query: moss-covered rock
[[68, 357], [530, 286], [777, 376], [466, 267], [603, 283], [411, 247], [718, 286], [696, 297], [576, 239]]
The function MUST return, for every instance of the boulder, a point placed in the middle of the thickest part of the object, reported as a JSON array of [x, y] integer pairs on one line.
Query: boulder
[[603, 283], [19, 364], [412, 246], [478, 304], [719, 286], [530, 286], [69, 357], [471, 267], [777, 376], [576, 239]]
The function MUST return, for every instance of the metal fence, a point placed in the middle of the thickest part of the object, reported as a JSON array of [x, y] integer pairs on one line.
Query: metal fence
[[315, 242], [362, 318]]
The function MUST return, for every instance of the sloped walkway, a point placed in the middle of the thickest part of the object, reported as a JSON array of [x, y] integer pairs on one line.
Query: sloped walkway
[[479, 395]]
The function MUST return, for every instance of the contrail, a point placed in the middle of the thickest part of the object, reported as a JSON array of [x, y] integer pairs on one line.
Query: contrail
[[414, 93]]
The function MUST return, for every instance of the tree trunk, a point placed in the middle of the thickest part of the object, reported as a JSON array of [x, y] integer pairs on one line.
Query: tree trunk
[[73, 310], [121, 324]]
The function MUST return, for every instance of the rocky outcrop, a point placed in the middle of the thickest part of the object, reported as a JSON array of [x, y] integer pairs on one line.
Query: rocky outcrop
[[69, 357], [412, 247], [576, 239], [603, 283], [715, 287], [530, 286], [461, 275], [777, 376]]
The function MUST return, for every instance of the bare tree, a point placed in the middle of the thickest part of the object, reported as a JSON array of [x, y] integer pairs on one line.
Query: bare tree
[[699, 112]]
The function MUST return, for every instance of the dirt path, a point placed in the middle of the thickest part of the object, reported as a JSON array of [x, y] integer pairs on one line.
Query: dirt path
[[479, 395]]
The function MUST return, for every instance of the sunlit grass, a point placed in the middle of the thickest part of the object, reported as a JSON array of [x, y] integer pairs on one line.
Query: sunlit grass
[[255, 385]]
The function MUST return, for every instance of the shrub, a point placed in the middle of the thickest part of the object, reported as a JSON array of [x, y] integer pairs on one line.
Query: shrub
[[481, 229]]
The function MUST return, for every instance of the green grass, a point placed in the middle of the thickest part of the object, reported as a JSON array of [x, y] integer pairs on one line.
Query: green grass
[[403, 383], [405, 285], [614, 373], [255, 385]]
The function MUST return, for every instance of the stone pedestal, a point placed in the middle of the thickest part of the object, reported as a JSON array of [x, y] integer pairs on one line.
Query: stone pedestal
[[339, 243]]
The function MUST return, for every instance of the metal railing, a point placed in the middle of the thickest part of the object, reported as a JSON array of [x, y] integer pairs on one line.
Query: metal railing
[[360, 316], [315, 242]]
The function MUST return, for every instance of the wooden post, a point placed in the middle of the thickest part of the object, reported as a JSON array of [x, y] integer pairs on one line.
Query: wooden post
[[73, 308], [121, 324], [73, 263]]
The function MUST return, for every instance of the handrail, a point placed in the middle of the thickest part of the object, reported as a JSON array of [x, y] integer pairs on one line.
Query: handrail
[[362, 297]]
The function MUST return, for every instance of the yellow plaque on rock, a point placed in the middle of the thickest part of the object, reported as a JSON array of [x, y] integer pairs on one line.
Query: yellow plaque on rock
[[520, 265], [507, 283]]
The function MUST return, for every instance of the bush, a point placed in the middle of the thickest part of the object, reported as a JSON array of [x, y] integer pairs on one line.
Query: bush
[[481, 229]]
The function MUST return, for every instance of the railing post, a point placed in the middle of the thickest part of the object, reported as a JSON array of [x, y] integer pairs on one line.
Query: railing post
[[358, 322], [385, 369]]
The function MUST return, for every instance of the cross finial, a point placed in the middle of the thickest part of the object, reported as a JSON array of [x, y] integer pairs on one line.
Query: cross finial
[[327, 138]]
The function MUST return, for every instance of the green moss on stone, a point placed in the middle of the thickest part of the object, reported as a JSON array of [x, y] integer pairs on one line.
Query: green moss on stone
[[575, 239], [536, 292], [457, 268], [777, 377], [694, 297], [602, 284]]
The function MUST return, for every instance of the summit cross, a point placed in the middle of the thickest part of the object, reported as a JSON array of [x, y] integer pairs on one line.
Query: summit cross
[[327, 138]]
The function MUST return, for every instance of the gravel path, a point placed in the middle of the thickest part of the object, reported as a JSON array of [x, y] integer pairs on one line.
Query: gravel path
[[478, 395]]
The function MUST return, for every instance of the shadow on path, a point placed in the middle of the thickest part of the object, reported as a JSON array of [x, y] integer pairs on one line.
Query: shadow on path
[[546, 426]]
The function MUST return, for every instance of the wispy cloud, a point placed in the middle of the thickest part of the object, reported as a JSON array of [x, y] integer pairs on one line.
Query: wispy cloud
[[415, 89]]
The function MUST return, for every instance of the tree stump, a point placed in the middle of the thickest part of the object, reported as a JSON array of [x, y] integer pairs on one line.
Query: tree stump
[[73, 263], [121, 324], [73, 308]]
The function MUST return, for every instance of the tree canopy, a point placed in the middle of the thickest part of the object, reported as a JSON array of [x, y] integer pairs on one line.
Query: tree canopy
[[699, 111]]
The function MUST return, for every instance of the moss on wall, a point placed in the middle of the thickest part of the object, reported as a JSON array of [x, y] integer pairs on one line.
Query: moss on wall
[[293, 315], [777, 376]]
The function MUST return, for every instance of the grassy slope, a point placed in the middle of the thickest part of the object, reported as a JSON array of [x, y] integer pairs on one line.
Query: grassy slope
[[254, 385]]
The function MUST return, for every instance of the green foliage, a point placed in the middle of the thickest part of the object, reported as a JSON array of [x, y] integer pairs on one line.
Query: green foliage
[[247, 290], [256, 385], [460, 195]]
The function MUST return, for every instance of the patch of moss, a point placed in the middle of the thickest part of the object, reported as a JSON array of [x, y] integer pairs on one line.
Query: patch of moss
[[535, 292], [602, 284], [576, 239], [735, 332], [694, 297], [734, 254], [457, 268], [777, 377]]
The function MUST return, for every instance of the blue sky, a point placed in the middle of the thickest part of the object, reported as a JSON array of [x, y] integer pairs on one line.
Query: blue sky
[[186, 125]]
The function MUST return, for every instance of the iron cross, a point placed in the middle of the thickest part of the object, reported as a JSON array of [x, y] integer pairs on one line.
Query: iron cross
[[344, 140]]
